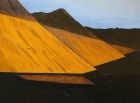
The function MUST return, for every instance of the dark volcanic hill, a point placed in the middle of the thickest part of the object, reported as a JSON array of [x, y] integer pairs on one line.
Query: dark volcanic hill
[[61, 19], [126, 37], [14, 8]]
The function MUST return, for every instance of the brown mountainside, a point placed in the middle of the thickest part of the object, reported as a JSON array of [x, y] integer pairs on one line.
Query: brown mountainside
[[128, 38], [61, 19], [14, 8]]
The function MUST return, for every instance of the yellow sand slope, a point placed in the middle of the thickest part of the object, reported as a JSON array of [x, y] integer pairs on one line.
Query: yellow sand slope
[[124, 50], [27, 47], [93, 50], [66, 79]]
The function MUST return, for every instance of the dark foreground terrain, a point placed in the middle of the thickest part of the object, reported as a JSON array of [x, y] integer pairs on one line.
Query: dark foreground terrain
[[121, 90]]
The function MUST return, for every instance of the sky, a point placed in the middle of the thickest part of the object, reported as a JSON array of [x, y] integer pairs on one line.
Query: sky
[[93, 13]]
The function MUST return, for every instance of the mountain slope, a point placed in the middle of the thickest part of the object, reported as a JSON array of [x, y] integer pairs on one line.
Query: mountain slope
[[70, 32], [128, 38], [27, 47], [93, 50], [61, 19], [14, 8]]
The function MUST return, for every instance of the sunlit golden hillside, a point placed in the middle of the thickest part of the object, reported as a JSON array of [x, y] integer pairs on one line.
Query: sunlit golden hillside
[[27, 47]]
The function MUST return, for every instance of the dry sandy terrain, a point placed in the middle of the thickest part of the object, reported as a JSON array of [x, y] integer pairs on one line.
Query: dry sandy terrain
[[93, 50]]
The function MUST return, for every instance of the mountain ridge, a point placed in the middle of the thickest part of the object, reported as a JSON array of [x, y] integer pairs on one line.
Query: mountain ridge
[[64, 21]]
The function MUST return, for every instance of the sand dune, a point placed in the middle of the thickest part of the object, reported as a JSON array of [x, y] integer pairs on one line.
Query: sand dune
[[123, 49], [93, 50], [27, 47], [78, 38], [35, 49]]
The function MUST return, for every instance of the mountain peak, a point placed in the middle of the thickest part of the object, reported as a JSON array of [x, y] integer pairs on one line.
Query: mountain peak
[[61, 10], [14, 8], [61, 19]]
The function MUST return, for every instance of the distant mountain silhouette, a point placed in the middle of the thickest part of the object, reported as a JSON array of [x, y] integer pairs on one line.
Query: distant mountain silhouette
[[129, 38], [61, 19]]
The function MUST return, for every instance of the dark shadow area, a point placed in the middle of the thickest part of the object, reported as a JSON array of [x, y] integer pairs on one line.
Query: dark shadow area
[[61, 19], [120, 79], [127, 66], [126, 37], [15, 90], [15, 9]]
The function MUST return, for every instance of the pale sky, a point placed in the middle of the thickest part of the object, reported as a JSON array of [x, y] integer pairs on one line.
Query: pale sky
[[93, 13]]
